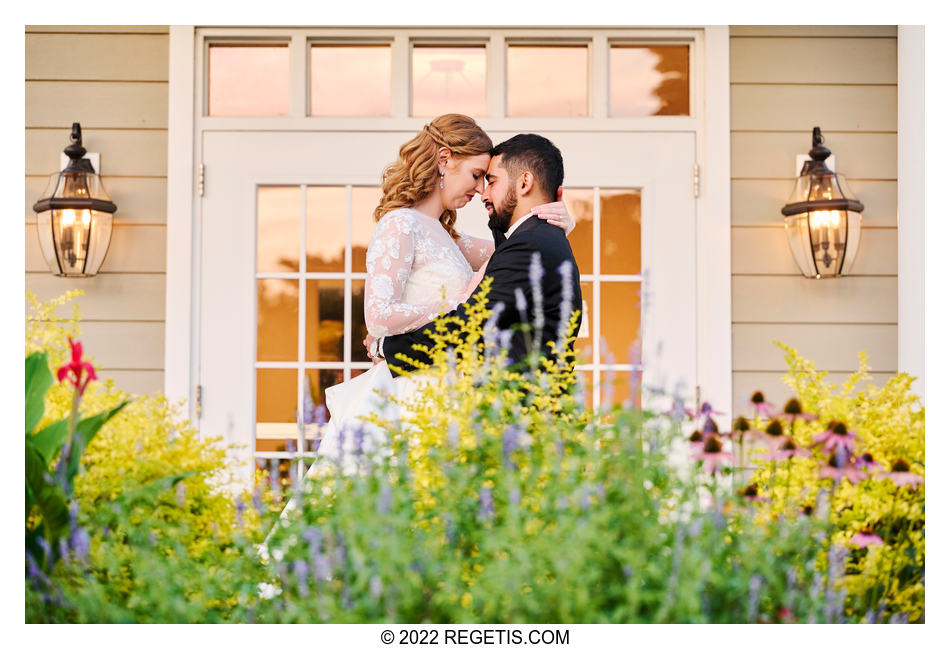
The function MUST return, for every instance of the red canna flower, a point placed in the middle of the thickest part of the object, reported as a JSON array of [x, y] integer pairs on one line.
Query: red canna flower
[[77, 368]]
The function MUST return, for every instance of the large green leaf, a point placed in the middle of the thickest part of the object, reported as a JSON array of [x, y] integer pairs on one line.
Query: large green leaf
[[86, 429], [48, 441], [48, 496], [38, 381]]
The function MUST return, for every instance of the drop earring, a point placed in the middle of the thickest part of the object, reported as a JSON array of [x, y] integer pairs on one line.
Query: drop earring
[[442, 180]]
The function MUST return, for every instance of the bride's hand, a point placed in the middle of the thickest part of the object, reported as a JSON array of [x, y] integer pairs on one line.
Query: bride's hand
[[556, 214], [368, 344]]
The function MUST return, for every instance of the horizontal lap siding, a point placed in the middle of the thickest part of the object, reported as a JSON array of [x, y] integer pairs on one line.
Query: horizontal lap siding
[[784, 81], [116, 82]]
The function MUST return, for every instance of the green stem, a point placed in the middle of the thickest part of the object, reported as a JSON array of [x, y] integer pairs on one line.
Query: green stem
[[894, 548], [788, 482]]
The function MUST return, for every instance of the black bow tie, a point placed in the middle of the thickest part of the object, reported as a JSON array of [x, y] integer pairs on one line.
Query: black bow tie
[[499, 235]]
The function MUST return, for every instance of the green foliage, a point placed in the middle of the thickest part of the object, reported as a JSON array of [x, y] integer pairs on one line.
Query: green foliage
[[883, 580], [500, 498], [48, 490], [156, 500]]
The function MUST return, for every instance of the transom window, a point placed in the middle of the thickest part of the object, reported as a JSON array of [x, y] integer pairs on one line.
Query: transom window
[[509, 77]]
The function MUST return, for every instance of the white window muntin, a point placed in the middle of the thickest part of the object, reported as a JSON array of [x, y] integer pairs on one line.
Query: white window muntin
[[402, 39]]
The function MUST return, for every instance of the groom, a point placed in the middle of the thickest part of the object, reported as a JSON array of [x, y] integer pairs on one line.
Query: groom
[[525, 171]]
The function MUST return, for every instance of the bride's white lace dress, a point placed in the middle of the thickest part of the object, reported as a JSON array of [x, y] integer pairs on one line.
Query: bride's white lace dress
[[415, 271]]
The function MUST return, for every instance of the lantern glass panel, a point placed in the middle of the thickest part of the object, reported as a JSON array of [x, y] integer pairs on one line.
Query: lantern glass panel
[[799, 240], [100, 234], [854, 239], [44, 231]]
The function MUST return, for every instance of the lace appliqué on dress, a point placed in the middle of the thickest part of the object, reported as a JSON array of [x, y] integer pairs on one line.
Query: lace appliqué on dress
[[415, 271]]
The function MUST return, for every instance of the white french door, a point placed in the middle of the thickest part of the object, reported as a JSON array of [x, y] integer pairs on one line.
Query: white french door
[[285, 217]]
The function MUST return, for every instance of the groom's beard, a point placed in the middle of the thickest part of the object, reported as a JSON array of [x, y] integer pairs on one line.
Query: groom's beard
[[499, 216]]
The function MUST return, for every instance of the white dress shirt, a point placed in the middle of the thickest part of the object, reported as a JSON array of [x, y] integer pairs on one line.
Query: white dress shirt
[[514, 226]]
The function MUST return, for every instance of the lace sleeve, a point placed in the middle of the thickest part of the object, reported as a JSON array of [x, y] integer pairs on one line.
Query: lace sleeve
[[389, 261], [476, 251]]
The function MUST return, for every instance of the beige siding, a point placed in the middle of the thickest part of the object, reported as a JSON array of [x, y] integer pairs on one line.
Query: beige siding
[[786, 80], [116, 78]]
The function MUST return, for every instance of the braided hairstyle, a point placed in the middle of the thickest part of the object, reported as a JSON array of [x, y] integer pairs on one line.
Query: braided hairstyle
[[413, 176]]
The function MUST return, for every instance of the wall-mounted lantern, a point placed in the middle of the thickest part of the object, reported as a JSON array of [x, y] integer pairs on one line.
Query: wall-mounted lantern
[[822, 218], [74, 218]]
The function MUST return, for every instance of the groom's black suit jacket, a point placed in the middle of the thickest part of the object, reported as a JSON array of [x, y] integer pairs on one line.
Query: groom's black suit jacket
[[509, 266]]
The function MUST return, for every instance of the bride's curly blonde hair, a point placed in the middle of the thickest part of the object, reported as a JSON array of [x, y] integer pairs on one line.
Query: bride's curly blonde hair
[[411, 178]]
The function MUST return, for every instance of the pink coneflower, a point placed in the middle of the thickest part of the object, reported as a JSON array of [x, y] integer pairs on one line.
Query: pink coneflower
[[866, 537], [787, 449], [741, 429], [712, 455], [704, 410], [793, 411], [760, 405], [775, 434], [751, 492], [901, 475], [696, 442], [867, 462], [842, 465], [836, 435]]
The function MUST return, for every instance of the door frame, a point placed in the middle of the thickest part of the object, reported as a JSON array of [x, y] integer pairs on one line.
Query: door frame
[[710, 120]]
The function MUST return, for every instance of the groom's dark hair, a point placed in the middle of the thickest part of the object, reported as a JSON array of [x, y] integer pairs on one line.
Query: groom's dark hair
[[534, 153]]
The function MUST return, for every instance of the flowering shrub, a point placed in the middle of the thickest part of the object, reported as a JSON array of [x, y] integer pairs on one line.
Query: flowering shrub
[[500, 498], [150, 497], [853, 456]]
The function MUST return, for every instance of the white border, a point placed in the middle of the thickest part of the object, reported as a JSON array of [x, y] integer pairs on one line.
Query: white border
[[179, 253], [910, 203]]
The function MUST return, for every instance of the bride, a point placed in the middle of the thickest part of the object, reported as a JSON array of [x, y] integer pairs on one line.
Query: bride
[[418, 266]]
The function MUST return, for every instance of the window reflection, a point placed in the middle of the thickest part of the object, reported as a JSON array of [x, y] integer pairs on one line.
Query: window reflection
[[362, 223], [276, 409], [585, 334], [326, 229], [580, 203], [547, 81], [325, 308], [248, 80], [278, 229], [448, 80], [649, 80], [619, 318], [359, 331], [350, 81], [277, 309], [620, 231]]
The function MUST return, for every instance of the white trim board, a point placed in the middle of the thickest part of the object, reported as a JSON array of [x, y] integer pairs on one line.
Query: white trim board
[[179, 301], [910, 203]]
